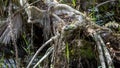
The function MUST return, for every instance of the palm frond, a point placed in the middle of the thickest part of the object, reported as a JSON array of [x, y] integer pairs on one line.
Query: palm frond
[[5, 36]]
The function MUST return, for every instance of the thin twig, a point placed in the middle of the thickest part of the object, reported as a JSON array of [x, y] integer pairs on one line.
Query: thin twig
[[107, 54], [47, 54], [58, 18], [103, 51], [100, 51], [24, 7], [31, 36], [50, 40], [104, 3], [12, 34]]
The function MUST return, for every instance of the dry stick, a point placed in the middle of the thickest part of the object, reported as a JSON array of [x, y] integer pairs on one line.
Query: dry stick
[[47, 54], [26, 6], [12, 35], [100, 51], [104, 3], [50, 40], [107, 54], [58, 18], [102, 45]]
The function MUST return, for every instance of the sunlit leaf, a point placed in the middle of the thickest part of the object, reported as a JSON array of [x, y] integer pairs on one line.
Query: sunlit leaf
[[74, 2]]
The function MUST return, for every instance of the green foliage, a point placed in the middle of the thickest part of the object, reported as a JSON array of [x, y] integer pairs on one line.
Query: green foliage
[[67, 52], [86, 52], [71, 52], [2, 61], [74, 2], [24, 37], [27, 43]]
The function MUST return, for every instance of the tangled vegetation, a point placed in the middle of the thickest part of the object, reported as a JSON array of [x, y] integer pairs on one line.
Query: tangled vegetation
[[59, 34]]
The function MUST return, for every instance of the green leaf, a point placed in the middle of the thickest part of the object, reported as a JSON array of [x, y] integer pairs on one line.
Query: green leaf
[[74, 2], [67, 51]]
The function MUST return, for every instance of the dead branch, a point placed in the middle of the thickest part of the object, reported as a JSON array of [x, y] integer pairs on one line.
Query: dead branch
[[100, 51], [26, 4], [46, 55], [104, 3], [80, 22], [13, 35], [106, 52], [46, 43]]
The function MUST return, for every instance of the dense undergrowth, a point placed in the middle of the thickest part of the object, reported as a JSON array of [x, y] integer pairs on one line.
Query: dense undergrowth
[[80, 48]]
